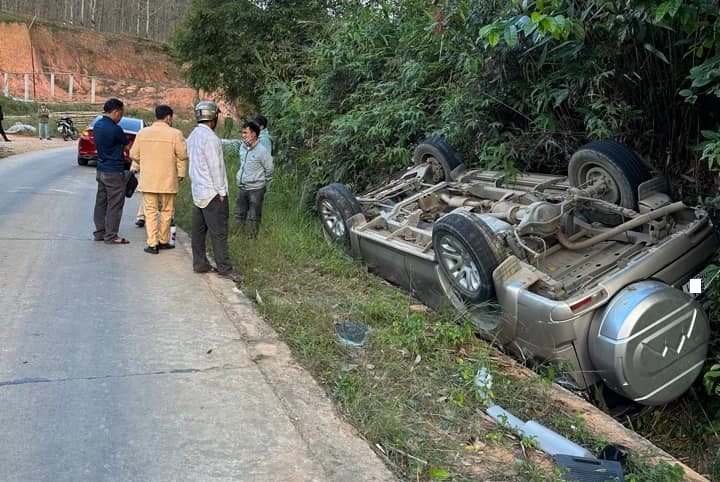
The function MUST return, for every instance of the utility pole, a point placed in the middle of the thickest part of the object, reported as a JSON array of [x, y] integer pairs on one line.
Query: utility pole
[[32, 57]]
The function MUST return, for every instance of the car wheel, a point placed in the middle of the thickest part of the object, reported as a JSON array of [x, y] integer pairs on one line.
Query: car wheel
[[336, 204], [441, 156], [620, 167], [82, 162], [465, 256]]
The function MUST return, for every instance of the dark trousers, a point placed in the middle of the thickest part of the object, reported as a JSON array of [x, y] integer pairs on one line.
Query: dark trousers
[[248, 209], [212, 218], [109, 203], [2, 132]]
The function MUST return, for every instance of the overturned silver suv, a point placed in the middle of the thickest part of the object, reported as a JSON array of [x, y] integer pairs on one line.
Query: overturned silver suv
[[591, 270]]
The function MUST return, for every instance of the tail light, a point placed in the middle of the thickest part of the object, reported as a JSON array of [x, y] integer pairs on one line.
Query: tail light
[[587, 301], [85, 133]]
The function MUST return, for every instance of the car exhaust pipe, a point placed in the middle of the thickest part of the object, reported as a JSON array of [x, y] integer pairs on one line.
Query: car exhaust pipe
[[460, 201]]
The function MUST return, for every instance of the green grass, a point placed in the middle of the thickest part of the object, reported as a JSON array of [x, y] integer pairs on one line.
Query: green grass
[[410, 390]]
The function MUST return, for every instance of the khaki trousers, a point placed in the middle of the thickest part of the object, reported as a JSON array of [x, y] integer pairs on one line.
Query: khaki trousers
[[154, 203], [141, 209]]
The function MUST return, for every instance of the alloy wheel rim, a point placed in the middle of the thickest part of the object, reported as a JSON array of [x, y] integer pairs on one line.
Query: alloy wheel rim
[[459, 264], [332, 220]]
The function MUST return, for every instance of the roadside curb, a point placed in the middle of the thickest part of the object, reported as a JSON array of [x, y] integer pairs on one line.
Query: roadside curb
[[342, 453]]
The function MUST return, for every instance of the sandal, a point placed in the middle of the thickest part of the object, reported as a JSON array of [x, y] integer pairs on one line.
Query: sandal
[[119, 240]]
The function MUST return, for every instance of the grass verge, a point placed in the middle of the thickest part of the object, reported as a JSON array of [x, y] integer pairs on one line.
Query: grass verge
[[410, 389]]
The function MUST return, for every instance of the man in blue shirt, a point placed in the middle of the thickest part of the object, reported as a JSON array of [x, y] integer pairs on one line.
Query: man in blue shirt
[[111, 142]]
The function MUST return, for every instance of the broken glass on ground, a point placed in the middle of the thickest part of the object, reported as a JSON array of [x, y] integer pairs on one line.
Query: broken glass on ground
[[351, 333]]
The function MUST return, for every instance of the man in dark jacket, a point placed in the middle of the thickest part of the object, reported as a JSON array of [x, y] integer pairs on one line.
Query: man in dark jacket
[[111, 142], [2, 131]]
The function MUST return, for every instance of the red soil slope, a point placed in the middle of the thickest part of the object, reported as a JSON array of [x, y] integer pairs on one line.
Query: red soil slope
[[137, 71]]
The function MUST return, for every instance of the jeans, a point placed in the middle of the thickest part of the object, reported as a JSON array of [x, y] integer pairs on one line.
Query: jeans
[[248, 209], [44, 127], [109, 203], [212, 218]]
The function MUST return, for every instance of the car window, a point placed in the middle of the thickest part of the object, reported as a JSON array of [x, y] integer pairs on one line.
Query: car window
[[128, 124]]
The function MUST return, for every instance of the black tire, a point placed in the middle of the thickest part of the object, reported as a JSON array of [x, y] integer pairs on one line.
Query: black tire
[[467, 237], [442, 157], [616, 162], [82, 162], [74, 134], [335, 205], [65, 136]]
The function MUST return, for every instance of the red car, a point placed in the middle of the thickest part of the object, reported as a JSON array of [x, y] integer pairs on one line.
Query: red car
[[86, 146]]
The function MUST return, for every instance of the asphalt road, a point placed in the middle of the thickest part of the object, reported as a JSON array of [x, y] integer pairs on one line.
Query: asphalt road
[[119, 365]]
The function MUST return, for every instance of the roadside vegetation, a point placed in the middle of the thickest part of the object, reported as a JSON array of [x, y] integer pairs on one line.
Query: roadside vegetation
[[351, 88]]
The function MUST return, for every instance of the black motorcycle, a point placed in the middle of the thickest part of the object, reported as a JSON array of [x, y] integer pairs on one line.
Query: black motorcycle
[[67, 129]]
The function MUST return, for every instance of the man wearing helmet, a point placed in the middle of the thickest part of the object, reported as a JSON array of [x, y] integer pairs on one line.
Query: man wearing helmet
[[209, 192]]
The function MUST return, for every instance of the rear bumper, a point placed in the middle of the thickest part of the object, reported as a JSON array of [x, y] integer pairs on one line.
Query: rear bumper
[[546, 329]]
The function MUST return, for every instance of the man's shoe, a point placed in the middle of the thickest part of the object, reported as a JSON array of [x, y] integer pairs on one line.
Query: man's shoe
[[166, 246], [152, 250], [140, 223], [209, 269], [231, 275]]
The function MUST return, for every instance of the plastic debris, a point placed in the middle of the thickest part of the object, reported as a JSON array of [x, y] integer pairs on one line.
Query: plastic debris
[[618, 453], [583, 469], [552, 442], [483, 383], [20, 127], [418, 309], [548, 441], [505, 418], [351, 333]]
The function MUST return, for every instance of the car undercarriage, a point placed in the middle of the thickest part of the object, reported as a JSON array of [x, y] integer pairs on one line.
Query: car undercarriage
[[587, 269]]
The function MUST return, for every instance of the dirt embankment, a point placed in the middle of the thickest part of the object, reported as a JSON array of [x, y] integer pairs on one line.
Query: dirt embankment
[[137, 71]]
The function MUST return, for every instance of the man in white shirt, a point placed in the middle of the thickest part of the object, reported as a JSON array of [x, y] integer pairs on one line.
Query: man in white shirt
[[209, 192]]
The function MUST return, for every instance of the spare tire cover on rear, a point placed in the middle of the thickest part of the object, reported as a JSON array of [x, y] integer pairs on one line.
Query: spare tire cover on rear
[[650, 342]]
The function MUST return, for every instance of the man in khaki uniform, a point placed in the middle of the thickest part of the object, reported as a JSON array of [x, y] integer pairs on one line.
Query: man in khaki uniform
[[160, 155]]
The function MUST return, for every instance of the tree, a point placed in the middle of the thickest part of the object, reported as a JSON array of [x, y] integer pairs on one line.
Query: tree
[[135, 17], [239, 46]]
